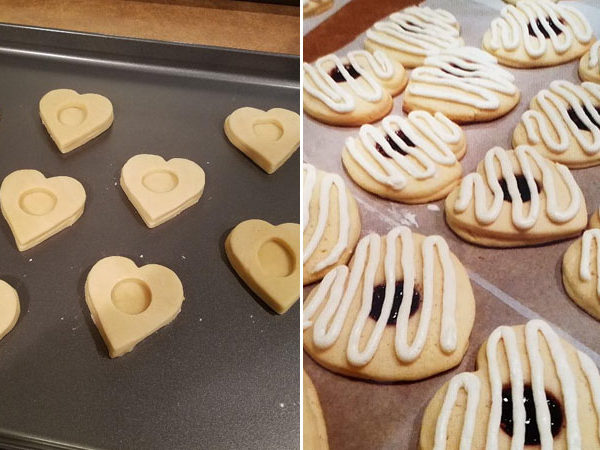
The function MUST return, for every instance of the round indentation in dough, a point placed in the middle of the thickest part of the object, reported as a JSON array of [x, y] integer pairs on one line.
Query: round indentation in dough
[[37, 202], [160, 181], [276, 258], [268, 129], [72, 115], [131, 296]]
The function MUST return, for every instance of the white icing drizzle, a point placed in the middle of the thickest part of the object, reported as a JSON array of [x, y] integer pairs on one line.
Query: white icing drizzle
[[417, 30], [591, 373], [431, 136], [510, 30], [466, 69], [594, 55], [473, 185], [586, 256], [554, 115], [340, 286], [341, 99], [328, 182]]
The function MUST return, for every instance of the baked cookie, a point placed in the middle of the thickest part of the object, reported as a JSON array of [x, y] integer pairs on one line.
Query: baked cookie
[[589, 68], [533, 201], [514, 2], [313, 7], [409, 160], [414, 33], [314, 429], [352, 90], [402, 310], [538, 33], [594, 220], [465, 83], [563, 124], [331, 223], [531, 389]]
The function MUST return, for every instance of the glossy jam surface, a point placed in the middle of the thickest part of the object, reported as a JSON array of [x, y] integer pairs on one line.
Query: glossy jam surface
[[543, 30], [523, 189], [582, 126], [337, 75], [379, 296], [393, 144]]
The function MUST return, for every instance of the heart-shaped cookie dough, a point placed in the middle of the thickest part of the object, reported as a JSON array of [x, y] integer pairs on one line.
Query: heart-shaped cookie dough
[[73, 119], [9, 308], [267, 138], [37, 207], [161, 189], [267, 258], [129, 303]]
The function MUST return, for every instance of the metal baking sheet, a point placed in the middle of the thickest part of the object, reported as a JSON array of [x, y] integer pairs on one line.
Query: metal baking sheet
[[225, 373]]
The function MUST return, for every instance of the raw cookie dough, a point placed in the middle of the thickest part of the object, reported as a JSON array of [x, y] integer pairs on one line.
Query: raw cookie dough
[[268, 138], [563, 124], [352, 90], [129, 303], [313, 7], [158, 189], [414, 33], [465, 83], [409, 160], [37, 207], [538, 33], [589, 67], [530, 386], [530, 201], [315, 431], [267, 258], [9, 308], [402, 310], [331, 224], [73, 119]]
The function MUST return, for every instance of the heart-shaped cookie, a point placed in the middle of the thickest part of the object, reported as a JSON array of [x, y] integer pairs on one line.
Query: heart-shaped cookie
[[9, 308], [129, 303], [267, 138], [37, 207], [73, 119], [161, 189], [267, 258]]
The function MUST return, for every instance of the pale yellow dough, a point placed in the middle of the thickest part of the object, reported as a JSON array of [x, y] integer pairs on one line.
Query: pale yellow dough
[[267, 258], [129, 303], [315, 431], [268, 138], [9, 308], [37, 207], [73, 119], [160, 189]]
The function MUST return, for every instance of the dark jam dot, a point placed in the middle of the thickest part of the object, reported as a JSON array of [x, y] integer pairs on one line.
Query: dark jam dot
[[575, 118], [337, 75], [464, 69], [379, 296], [393, 144], [532, 435], [543, 30], [523, 188]]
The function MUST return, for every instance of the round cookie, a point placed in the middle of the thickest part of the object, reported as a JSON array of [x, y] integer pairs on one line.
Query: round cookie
[[589, 66], [409, 160], [465, 83], [594, 221], [412, 34], [538, 33], [314, 429], [402, 310], [531, 389], [314, 7], [331, 223], [352, 90], [516, 198], [563, 124]]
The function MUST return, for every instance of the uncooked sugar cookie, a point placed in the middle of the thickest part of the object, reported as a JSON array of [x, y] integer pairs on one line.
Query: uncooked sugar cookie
[[563, 124], [465, 83], [589, 68], [412, 34], [531, 389], [516, 198], [352, 90], [410, 160], [314, 429], [314, 7], [37, 207], [9, 308], [538, 33], [331, 223], [73, 119], [402, 310]]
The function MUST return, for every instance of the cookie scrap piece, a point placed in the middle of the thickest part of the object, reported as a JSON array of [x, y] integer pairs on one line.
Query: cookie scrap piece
[[594, 221], [269, 138], [531, 388], [267, 258], [37, 207], [158, 189], [313, 7], [589, 67], [9, 308], [402, 310], [315, 431], [129, 303], [72, 119]]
